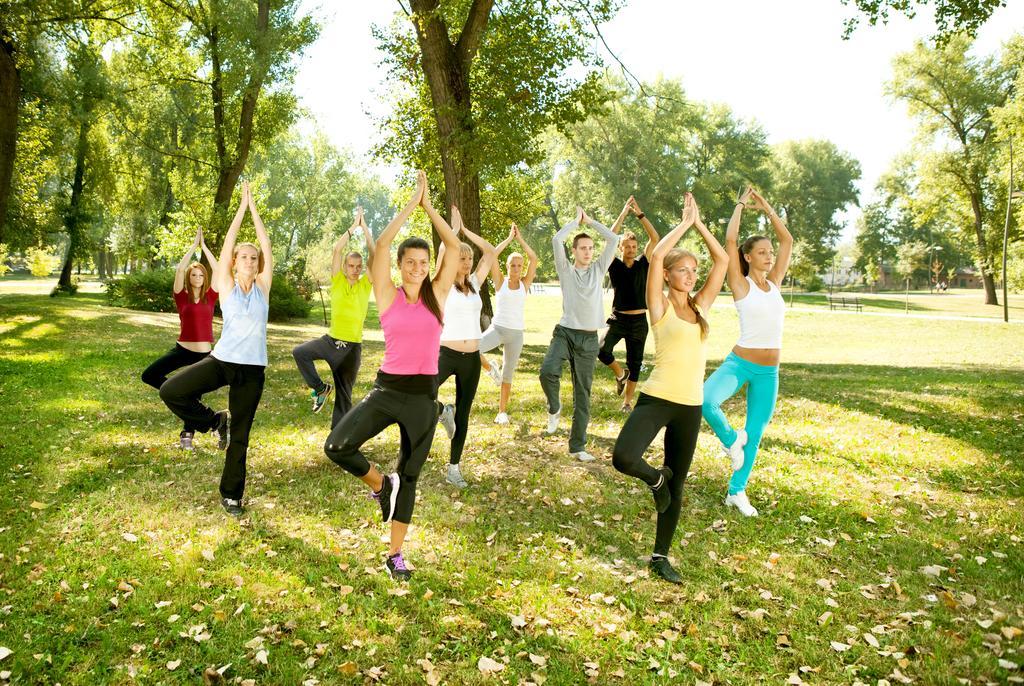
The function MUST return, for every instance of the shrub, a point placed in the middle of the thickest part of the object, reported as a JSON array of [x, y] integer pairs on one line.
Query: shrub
[[4, 255], [70, 289], [145, 290], [814, 284], [151, 291], [40, 262]]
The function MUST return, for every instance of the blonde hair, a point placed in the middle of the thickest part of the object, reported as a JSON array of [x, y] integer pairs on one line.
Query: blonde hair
[[674, 256], [508, 260], [246, 244], [466, 286]]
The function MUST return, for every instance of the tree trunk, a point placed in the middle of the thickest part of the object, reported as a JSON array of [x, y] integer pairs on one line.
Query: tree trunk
[[73, 218], [984, 264], [10, 101], [231, 165]]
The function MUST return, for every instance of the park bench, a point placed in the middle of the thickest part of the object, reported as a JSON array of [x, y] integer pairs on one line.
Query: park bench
[[843, 302]]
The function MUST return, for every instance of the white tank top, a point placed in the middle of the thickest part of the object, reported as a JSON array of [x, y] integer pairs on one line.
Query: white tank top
[[761, 317], [509, 307], [462, 314]]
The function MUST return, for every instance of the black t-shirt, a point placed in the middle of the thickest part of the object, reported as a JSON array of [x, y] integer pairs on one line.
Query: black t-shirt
[[629, 284]]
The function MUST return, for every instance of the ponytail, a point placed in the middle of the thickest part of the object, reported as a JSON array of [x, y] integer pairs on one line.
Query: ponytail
[[674, 256]]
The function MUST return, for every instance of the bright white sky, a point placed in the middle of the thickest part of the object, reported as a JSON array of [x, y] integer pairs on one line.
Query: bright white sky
[[781, 63]]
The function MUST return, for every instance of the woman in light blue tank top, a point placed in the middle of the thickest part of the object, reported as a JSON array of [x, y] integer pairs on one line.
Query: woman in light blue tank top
[[239, 359]]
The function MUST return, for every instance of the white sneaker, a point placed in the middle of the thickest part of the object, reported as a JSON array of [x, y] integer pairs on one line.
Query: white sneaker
[[740, 502], [553, 421], [735, 451], [455, 476], [583, 456], [502, 418], [447, 419], [493, 372]]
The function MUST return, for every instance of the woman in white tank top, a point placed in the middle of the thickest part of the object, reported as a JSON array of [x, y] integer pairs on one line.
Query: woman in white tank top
[[460, 343], [509, 321], [755, 277]]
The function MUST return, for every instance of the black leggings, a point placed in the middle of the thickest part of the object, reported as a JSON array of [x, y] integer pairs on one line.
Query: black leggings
[[632, 327], [416, 416], [466, 368], [342, 357], [682, 424], [182, 392], [173, 360]]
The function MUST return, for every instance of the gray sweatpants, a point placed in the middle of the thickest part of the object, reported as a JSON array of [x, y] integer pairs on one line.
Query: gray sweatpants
[[511, 341], [579, 349]]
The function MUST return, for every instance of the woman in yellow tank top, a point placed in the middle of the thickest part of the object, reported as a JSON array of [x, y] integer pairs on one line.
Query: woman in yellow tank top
[[673, 395]]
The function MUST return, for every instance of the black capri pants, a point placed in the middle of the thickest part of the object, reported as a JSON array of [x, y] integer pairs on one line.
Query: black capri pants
[[632, 327], [416, 416], [682, 424]]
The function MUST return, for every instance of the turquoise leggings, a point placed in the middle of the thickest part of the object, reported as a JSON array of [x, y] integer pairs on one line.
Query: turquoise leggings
[[762, 390]]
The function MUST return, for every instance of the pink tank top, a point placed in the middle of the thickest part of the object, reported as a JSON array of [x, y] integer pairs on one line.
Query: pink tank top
[[412, 337]]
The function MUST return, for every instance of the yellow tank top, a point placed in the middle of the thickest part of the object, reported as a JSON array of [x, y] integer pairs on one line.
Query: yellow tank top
[[679, 357]]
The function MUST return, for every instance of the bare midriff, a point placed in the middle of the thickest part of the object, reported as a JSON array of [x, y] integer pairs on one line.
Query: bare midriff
[[631, 311], [768, 357], [467, 345], [196, 346]]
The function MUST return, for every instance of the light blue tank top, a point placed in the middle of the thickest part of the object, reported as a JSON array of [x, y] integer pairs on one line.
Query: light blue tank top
[[243, 338]]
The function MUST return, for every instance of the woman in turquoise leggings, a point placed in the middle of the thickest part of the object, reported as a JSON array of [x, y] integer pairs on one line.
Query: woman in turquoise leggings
[[755, 278]]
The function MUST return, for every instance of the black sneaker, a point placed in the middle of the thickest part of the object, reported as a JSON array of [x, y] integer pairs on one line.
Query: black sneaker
[[620, 383], [320, 399], [221, 429], [232, 507], [661, 492], [660, 566], [386, 496], [395, 565]]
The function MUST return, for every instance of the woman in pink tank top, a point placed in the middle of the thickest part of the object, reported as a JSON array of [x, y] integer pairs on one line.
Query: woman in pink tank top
[[405, 390]]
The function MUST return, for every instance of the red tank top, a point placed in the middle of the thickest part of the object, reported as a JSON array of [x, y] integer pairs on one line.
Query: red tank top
[[196, 318]]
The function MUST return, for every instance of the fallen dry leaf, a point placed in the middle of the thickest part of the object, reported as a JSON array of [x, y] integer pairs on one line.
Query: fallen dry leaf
[[173, 665], [488, 666]]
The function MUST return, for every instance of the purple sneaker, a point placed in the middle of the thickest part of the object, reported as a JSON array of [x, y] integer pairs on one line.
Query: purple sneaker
[[395, 565]]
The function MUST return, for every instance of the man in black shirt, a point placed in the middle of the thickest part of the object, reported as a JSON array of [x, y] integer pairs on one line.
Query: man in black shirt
[[628, 277]]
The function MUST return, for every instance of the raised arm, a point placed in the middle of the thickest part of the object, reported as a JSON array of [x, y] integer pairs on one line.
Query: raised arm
[[488, 253], [652, 233], [371, 247], [734, 275], [496, 276], [179, 271], [209, 253], [265, 277], [383, 288], [531, 270], [656, 300], [713, 284], [445, 275], [222, 281], [558, 244], [617, 226], [785, 238], [611, 242], [338, 252]]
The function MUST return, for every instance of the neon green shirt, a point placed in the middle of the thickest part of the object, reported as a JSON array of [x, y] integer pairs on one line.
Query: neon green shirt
[[348, 307]]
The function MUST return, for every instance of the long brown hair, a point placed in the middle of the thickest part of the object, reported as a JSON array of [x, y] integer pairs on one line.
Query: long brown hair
[[746, 248], [674, 256], [206, 280], [427, 289]]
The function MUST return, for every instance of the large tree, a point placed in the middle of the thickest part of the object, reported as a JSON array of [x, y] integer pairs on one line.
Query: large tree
[[813, 181], [953, 96], [478, 83], [241, 56]]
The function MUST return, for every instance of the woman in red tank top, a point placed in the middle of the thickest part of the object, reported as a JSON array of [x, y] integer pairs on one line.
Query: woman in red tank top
[[194, 299], [405, 391]]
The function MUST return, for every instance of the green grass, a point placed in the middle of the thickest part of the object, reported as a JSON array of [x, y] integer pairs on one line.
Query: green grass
[[896, 446]]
